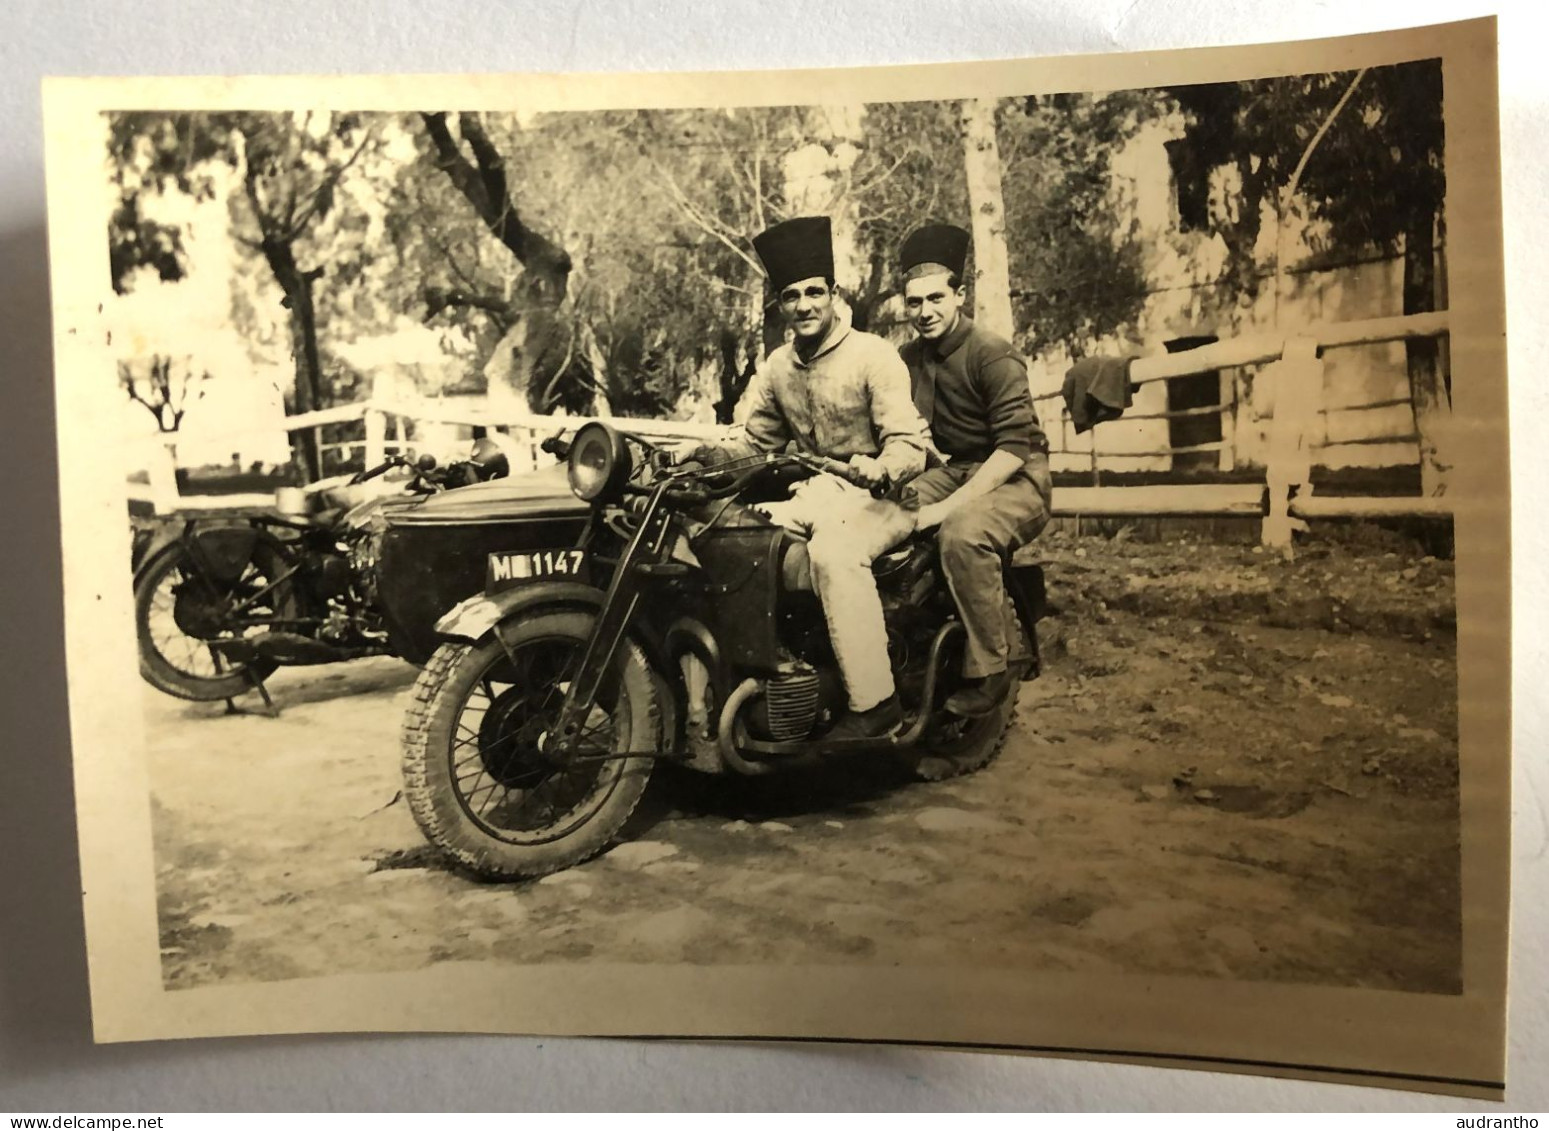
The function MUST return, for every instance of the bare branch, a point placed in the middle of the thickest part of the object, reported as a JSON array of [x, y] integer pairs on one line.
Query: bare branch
[[437, 300], [704, 223], [877, 181], [485, 187], [328, 182], [551, 390]]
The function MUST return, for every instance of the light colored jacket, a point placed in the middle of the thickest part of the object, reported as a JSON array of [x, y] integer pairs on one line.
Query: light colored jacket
[[852, 398]]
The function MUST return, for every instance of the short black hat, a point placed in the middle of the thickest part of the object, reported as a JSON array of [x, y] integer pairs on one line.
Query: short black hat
[[797, 249], [934, 245]]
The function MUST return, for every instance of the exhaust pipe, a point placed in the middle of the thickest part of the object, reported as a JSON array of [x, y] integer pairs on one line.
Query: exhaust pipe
[[787, 752], [726, 732]]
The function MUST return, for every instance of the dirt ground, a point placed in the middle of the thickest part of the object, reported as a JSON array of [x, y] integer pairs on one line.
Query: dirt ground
[[1232, 766]]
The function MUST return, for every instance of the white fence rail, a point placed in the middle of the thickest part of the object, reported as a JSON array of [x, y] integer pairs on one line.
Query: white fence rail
[[1283, 499]]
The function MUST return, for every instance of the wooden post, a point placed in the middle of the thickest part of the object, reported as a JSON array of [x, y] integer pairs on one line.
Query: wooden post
[[376, 436], [1433, 415], [1228, 403], [162, 474], [1296, 386]]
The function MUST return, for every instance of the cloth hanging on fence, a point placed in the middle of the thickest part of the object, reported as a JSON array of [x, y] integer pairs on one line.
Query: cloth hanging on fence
[[1097, 389]]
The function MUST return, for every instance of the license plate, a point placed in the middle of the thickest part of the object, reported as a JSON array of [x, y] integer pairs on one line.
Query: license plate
[[518, 568]]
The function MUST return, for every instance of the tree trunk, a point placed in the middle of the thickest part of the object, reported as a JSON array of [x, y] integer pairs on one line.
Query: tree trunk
[[992, 274], [1427, 387], [309, 394], [548, 369]]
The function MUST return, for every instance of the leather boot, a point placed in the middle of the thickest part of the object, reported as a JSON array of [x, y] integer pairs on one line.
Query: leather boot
[[978, 697], [874, 722]]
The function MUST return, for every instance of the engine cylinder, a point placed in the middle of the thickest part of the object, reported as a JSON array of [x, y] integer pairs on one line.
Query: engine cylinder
[[789, 706]]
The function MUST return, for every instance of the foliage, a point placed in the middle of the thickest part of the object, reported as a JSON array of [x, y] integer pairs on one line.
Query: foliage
[[1376, 174], [1076, 265], [603, 259]]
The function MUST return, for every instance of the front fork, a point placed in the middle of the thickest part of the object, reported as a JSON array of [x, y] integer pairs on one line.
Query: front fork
[[608, 631]]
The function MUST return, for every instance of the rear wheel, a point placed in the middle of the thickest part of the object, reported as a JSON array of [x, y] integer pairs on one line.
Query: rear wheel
[[182, 614], [953, 746], [475, 775]]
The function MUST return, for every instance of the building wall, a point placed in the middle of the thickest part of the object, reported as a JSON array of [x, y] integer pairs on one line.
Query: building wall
[[1187, 300]]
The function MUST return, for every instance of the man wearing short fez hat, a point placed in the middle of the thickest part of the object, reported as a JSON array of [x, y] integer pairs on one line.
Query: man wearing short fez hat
[[993, 495], [841, 393]]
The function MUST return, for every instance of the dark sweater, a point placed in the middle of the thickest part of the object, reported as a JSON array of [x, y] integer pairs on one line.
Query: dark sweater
[[971, 386]]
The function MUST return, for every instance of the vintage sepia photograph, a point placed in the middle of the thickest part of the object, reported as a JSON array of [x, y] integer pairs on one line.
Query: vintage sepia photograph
[[916, 524]]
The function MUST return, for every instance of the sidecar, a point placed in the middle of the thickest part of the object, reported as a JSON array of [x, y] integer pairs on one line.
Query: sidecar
[[433, 553]]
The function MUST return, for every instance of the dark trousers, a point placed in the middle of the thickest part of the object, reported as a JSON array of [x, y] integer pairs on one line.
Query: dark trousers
[[976, 541]]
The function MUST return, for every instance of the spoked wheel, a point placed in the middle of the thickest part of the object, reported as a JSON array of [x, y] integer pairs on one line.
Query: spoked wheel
[[182, 614], [475, 771]]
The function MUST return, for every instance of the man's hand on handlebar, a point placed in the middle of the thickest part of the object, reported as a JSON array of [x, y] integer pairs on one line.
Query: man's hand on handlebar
[[690, 451], [868, 471]]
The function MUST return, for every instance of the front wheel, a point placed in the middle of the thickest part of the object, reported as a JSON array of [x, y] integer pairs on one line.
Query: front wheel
[[474, 773]]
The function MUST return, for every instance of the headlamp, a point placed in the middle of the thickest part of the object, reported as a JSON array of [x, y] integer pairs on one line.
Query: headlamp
[[598, 463]]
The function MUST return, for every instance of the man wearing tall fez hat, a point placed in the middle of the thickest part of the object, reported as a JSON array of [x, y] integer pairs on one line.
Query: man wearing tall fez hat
[[993, 495], [841, 393]]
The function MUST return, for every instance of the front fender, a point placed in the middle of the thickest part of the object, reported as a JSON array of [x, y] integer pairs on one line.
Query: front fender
[[480, 615], [476, 617]]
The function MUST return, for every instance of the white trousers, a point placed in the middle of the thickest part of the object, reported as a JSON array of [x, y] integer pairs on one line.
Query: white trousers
[[846, 530]]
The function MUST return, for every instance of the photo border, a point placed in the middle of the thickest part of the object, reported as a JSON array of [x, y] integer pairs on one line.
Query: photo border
[[1449, 1044]]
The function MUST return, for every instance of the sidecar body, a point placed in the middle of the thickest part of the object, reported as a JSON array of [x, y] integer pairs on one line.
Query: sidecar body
[[434, 553]]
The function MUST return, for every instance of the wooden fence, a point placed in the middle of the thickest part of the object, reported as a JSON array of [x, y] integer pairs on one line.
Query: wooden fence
[[1293, 366]]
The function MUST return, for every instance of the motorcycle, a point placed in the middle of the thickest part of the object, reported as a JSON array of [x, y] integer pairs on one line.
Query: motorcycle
[[224, 601], [681, 625]]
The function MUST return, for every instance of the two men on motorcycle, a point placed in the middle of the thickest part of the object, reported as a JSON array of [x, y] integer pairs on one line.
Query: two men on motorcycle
[[846, 394]]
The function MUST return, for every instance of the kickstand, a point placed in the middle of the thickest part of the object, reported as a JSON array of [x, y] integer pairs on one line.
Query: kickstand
[[269, 708], [256, 683], [253, 681]]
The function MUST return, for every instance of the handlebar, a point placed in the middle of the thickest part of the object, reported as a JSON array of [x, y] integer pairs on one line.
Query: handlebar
[[372, 472], [844, 471], [701, 480], [429, 475], [718, 482]]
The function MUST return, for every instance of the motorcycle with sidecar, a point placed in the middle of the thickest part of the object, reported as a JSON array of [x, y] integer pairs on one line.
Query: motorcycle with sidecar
[[224, 599], [677, 624]]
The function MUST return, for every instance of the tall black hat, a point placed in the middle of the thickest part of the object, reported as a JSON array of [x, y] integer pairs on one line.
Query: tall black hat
[[932, 249], [793, 250]]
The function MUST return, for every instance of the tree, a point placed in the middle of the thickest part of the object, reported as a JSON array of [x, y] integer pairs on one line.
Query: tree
[[151, 154], [1376, 181], [1076, 265], [159, 388], [290, 170], [721, 174], [537, 352], [992, 275]]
